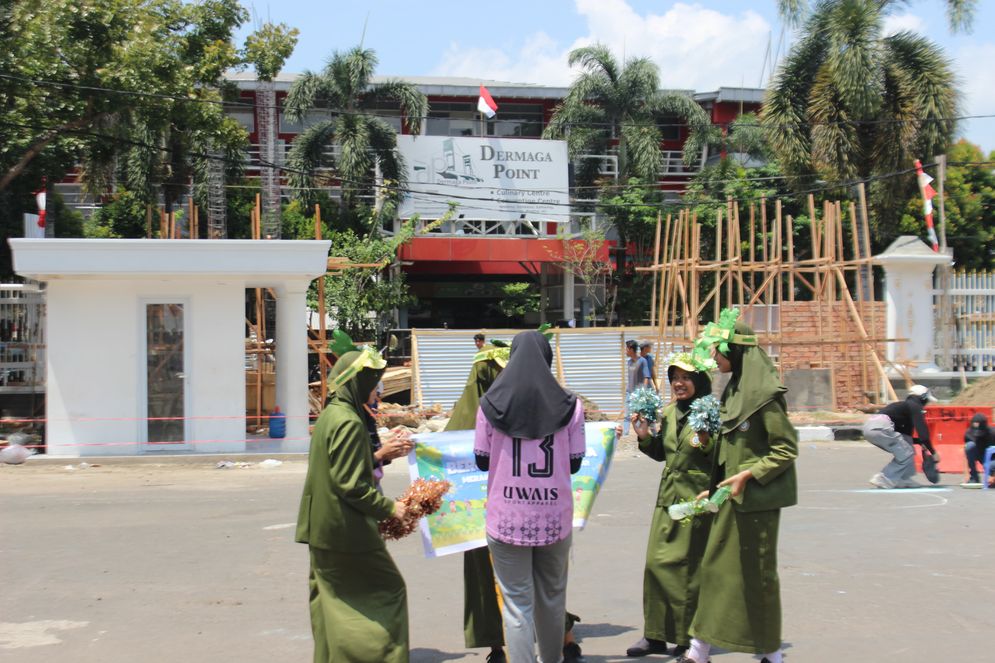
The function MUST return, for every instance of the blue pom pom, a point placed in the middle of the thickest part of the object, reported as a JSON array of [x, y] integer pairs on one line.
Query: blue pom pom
[[704, 415], [645, 402]]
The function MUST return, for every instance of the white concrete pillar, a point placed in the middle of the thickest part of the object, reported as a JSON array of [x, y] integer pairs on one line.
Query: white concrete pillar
[[291, 362], [569, 299], [908, 265]]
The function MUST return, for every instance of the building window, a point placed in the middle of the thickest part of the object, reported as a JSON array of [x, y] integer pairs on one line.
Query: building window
[[288, 126], [462, 119], [669, 126], [244, 116]]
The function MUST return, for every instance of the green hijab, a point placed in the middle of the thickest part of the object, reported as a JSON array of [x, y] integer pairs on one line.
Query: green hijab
[[753, 384], [482, 376], [355, 391]]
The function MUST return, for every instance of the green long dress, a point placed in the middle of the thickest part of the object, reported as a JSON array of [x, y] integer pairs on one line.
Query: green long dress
[[482, 626], [675, 548], [358, 598], [739, 606]]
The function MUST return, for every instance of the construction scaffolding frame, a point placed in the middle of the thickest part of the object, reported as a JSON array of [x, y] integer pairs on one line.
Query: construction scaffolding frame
[[755, 268]]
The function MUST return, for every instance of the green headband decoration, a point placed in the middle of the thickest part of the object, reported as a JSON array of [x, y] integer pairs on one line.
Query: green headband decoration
[[723, 333], [368, 357], [542, 330], [341, 343], [699, 360], [499, 353]]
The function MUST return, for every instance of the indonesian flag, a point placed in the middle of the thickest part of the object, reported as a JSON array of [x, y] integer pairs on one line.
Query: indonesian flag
[[928, 193], [486, 103]]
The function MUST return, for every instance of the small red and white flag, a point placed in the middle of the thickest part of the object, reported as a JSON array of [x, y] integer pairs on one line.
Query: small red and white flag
[[40, 200], [928, 193], [486, 103]]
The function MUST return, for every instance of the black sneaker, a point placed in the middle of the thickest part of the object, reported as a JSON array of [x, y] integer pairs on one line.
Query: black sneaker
[[647, 646], [678, 651], [496, 656], [571, 653]]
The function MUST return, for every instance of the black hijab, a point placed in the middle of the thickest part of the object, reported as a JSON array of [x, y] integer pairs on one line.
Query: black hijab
[[526, 401], [980, 433], [702, 387]]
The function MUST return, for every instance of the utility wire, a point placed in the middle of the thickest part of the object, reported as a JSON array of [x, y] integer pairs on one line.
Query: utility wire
[[392, 188], [607, 125]]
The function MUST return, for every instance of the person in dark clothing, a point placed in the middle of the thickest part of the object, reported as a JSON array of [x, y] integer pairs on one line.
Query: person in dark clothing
[[977, 438], [891, 430]]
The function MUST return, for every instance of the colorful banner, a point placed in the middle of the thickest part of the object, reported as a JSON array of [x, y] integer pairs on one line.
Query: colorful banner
[[459, 524]]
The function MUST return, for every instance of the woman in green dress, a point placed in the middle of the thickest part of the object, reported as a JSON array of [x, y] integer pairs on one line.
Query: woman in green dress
[[739, 606], [482, 625], [359, 609], [675, 548]]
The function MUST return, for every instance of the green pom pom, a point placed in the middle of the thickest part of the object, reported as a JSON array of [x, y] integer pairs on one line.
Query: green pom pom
[[646, 403]]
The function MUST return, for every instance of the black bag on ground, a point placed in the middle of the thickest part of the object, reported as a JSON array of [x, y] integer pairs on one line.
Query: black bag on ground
[[929, 467]]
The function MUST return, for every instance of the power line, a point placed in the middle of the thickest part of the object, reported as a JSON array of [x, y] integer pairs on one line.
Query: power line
[[390, 188], [607, 125]]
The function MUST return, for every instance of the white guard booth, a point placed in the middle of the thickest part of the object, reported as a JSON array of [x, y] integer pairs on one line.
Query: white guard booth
[[146, 340]]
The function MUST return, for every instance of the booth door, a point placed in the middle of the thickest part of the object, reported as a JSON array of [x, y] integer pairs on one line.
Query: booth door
[[165, 376]]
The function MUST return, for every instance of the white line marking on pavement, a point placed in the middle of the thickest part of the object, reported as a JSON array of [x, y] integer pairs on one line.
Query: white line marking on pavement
[[280, 526]]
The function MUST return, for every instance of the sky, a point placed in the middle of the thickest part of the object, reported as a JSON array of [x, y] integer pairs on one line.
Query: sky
[[698, 45]]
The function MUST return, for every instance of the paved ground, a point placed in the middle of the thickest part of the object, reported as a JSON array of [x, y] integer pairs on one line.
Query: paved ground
[[184, 562]]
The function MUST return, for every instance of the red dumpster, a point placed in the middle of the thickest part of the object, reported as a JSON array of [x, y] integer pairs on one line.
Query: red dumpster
[[947, 425]]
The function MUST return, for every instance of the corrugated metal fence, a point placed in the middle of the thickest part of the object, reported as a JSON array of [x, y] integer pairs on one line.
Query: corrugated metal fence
[[588, 361]]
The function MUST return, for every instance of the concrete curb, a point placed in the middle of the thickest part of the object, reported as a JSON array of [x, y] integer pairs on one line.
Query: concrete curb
[[170, 459]]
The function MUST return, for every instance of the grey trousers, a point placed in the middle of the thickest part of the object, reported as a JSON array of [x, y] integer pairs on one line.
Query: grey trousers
[[533, 582], [880, 432]]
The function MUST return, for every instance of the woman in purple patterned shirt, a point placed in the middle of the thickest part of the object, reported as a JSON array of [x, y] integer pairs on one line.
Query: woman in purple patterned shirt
[[530, 439]]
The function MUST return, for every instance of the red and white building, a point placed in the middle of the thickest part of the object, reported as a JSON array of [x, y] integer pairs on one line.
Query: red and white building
[[456, 272]]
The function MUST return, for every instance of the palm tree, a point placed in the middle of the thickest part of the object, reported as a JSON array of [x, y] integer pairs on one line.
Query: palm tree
[[608, 102], [344, 90], [849, 103]]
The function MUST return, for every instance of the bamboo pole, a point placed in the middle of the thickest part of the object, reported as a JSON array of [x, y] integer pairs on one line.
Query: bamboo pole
[[739, 254], [869, 273], [718, 257], [791, 259], [148, 221], [859, 282], [664, 269], [322, 331], [863, 333], [656, 259], [258, 231], [190, 216], [729, 247], [753, 255]]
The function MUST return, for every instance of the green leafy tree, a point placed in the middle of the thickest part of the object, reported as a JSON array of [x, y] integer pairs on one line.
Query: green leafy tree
[[849, 103], [632, 209], [518, 299], [268, 48], [969, 209], [123, 216], [125, 88], [613, 102], [362, 300], [346, 94]]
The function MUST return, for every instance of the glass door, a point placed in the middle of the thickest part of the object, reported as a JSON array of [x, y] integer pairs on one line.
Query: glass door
[[165, 376]]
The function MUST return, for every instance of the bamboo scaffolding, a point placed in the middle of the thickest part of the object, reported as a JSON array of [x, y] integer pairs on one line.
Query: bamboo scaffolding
[[739, 272]]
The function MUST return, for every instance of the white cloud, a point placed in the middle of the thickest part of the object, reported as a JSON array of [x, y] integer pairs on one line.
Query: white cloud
[[977, 78], [895, 23], [695, 47]]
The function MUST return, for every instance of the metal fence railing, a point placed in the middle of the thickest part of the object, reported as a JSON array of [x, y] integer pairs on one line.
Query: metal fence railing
[[22, 338], [972, 309]]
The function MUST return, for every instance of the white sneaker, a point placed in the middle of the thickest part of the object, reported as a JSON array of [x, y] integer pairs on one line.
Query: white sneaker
[[881, 481]]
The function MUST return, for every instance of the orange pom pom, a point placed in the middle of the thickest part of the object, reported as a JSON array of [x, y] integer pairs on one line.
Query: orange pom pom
[[422, 498]]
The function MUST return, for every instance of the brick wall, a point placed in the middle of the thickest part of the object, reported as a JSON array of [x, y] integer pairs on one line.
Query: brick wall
[[800, 321]]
